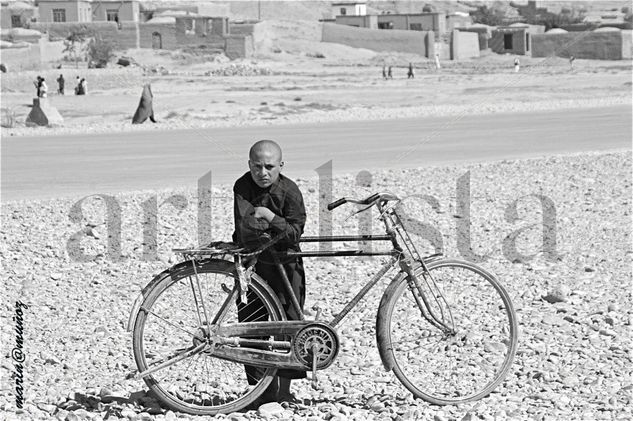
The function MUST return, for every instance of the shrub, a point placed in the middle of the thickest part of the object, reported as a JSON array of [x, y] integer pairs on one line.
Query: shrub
[[74, 43], [100, 52]]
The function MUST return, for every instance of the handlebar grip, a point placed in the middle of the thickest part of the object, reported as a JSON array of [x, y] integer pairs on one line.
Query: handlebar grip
[[336, 204]]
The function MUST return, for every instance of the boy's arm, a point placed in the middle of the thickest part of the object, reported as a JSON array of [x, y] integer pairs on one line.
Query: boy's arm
[[291, 223], [247, 228]]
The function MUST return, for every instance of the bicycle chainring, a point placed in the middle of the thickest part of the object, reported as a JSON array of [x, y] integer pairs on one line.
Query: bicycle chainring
[[326, 341]]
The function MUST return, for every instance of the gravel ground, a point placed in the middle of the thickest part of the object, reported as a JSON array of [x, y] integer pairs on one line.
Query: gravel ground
[[572, 296]]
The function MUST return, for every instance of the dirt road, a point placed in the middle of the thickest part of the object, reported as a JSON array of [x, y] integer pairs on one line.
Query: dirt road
[[77, 165]]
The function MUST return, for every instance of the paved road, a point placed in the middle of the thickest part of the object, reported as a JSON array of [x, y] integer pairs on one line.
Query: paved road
[[74, 165]]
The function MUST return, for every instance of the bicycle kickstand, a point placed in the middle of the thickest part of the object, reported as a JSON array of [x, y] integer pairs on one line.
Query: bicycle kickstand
[[315, 383]]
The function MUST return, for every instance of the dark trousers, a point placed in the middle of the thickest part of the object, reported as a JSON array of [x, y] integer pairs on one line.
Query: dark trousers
[[253, 311]]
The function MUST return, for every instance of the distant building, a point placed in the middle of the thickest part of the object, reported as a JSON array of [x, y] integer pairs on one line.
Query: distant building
[[16, 14], [349, 8], [514, 39], [115, 11], [432, 21], [59, 11]]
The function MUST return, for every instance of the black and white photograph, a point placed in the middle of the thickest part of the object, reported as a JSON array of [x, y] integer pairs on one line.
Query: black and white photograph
[[316, 210]]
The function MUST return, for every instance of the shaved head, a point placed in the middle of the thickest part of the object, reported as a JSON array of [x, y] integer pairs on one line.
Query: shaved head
[[268, 147], [264, 162]]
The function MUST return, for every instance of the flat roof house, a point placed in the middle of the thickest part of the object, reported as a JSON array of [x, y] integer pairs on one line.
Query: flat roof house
[[16, 14], [115, 11], [58, 11], [349, 8]]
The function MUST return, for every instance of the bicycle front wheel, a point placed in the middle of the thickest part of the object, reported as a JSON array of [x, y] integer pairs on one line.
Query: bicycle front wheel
[[179, 311], [449, 367]]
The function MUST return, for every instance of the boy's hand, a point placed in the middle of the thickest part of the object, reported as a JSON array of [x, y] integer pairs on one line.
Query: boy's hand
[[263, 213]]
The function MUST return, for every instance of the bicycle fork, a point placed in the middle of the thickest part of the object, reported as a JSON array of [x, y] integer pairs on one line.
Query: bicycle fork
[[443, 321]]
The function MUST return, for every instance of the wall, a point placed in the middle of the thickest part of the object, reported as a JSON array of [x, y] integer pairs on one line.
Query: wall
[[435, 22], [238, 46], [464, 45], [358, 21], [19, 59], [482, 35], [416, 42], [128, 10], [587, 45], [242, 28], [76, 11], [167, 32], [518, 41]]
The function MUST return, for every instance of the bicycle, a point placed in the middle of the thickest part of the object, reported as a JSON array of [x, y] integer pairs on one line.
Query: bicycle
[[445, 327]]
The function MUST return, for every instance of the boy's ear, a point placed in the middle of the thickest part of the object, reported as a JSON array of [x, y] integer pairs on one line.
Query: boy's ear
[[281, 164]]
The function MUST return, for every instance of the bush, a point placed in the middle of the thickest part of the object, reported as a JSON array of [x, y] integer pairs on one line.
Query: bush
[[100, 52], [73, 44]]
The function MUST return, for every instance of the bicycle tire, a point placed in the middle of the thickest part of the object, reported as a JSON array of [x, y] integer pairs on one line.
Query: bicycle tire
[[443, 368], [169, 305]]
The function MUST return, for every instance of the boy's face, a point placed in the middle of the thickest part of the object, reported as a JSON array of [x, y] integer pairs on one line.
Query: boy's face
[[265, 166]]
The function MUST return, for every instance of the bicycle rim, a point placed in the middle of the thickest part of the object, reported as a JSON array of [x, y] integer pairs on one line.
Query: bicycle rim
[[168, 324], [463, 366]]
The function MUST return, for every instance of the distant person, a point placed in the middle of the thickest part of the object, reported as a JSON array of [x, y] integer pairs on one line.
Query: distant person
[[517, 65], [145, 108], [38, 84], [77, 83], [410, 74], [60, 84], [43, 88], [571, 62], [437, 61], [389, 73], [384, 72], [84, 86]]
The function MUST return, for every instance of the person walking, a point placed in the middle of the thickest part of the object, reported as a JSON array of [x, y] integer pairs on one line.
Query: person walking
[[410, 74], [389, 73], [517, 65], [384, 72]]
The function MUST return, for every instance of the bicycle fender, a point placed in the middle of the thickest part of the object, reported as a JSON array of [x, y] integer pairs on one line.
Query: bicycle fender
[[382, 320], [136, 306]]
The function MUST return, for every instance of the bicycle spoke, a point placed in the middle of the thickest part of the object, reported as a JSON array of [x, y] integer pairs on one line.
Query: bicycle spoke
[[187, 353], [167, 321], [460, 367], [170, 341]]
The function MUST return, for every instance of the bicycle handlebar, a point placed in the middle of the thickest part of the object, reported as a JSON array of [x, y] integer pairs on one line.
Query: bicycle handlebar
[[370, 200]]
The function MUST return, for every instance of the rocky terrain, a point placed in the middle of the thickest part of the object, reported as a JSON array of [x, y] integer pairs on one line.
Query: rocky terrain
[[570, 283]]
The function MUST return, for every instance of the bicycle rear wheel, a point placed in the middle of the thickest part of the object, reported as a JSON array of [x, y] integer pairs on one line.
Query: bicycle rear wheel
[[169, 324], [449, 367]]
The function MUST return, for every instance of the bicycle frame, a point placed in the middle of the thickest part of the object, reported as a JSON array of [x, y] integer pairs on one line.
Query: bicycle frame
[[261, 352]]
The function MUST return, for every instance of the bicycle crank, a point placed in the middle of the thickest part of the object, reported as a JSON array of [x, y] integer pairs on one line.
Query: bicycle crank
[[316, 347]]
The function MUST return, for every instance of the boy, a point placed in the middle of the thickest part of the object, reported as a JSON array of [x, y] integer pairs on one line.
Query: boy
[[267, 201]]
